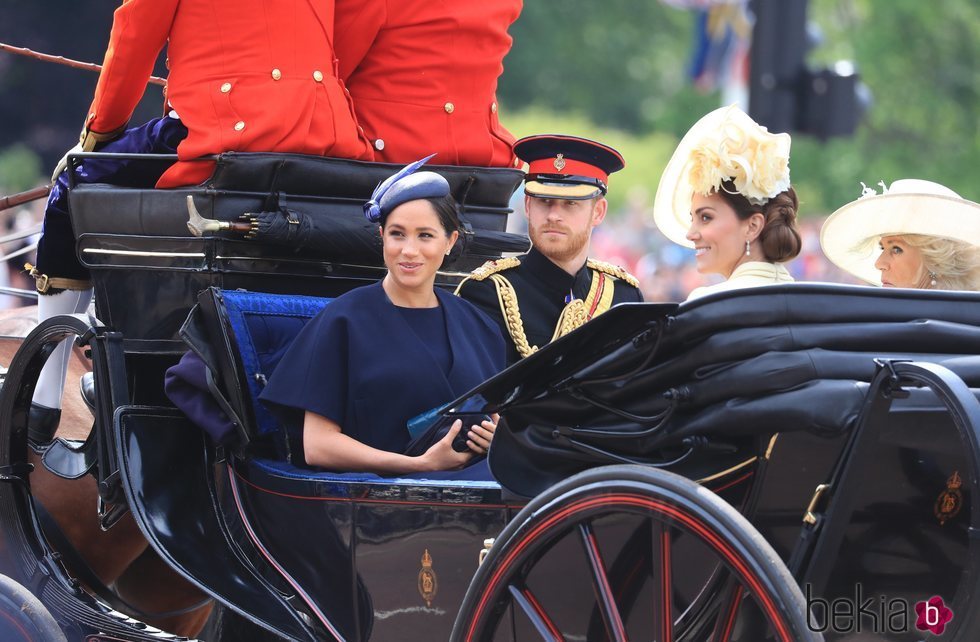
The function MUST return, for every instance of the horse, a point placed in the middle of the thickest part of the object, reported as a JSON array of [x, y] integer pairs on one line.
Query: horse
[[119, 557]]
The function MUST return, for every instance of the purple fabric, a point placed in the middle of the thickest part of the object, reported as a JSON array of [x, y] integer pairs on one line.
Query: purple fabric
[[186, 385], [56, 249]]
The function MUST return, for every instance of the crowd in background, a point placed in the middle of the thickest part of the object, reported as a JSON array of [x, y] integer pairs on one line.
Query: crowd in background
[[13, 222]]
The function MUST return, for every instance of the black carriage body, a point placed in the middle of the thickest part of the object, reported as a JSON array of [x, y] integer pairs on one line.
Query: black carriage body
[[779, 377], [772, 428], [364, 557]]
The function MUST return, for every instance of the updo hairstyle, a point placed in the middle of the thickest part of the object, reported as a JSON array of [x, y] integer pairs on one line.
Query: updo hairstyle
[[780, 237]]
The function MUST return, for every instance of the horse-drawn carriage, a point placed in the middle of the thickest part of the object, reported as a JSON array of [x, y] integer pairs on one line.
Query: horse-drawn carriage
[[781, 463]]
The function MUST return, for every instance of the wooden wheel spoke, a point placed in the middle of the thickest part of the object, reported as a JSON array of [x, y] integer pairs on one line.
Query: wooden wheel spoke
[[611, 618], [660, 571], [731, 599], [530, 606]]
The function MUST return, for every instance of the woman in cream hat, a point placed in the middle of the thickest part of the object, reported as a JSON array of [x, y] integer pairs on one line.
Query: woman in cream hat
[[726, 193], [915, 234]]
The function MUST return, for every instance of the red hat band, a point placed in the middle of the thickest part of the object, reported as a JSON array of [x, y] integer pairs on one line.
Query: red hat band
[[566, 167]]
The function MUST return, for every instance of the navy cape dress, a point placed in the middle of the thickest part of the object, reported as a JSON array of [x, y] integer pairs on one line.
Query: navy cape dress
[[360, 364]]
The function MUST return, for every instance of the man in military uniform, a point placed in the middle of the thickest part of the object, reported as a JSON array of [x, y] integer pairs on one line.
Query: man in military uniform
[[555, 287]]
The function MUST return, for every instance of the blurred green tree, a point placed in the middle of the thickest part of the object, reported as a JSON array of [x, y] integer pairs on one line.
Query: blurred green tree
[[622, 64], [20, 169]]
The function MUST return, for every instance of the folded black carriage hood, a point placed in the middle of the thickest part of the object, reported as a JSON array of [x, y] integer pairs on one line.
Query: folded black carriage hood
[[642, 378]]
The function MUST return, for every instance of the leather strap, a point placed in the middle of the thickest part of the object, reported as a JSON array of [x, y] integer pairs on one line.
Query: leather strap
[[43, 282]]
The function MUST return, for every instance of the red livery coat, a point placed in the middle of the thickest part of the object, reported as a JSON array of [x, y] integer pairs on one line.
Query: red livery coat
[[245, 75], [423, 75]]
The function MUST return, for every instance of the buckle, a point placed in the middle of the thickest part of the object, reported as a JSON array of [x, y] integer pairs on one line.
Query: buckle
[[41, 281]]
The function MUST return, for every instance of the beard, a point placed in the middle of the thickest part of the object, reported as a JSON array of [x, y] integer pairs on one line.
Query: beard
[[561, 248]]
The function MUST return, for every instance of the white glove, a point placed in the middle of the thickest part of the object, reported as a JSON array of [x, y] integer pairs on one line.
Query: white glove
[[63, 163]]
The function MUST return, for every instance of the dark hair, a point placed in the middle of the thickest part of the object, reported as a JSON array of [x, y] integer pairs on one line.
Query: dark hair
[[446, 209], [780, 237]]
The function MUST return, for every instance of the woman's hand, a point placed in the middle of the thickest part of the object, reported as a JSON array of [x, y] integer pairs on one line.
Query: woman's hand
[[479, 437], [441, 456]]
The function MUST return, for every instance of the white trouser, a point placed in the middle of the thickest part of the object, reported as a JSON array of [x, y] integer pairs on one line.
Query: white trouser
[[51, 383]]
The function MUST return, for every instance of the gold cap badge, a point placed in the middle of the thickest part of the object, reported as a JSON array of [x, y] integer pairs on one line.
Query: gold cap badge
[[560, 162]]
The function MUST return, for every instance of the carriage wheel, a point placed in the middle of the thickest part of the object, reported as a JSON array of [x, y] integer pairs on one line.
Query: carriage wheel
[[704, 573], [22, 616]]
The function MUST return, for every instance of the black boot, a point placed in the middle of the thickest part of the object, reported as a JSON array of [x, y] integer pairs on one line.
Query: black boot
[[42, 422]]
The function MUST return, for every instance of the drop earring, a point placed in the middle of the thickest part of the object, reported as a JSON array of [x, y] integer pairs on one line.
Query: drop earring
[[933, 282], [747, 252]]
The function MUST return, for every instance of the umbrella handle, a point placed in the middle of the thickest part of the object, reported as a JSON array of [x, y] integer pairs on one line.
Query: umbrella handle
[[198, 225]]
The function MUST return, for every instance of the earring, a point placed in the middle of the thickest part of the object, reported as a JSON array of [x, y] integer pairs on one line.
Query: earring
[[933, 282], [747, 252], [448, 251]]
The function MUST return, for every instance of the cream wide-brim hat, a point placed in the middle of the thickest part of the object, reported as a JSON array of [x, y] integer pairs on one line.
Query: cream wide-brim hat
[[850, 235], [672, 205]]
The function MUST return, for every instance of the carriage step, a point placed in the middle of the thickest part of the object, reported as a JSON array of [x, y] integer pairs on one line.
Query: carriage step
[[69, 458]]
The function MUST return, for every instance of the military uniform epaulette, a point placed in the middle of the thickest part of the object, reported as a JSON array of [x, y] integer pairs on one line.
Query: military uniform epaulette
[[614, 270], [492, 267]]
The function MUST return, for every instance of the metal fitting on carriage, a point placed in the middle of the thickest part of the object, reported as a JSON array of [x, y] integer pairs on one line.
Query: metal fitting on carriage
[[894, 389], [704, 444], [678, 395], [487, 544], [811, 517]]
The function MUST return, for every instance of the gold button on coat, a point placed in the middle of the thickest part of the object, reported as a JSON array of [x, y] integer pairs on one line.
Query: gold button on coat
[[450, 108], [493, 108], [318, 76], [225, 87], [240, 125], [276, 74]]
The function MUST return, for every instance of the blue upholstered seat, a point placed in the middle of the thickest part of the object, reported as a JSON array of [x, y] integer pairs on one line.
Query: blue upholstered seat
[[264, 325]]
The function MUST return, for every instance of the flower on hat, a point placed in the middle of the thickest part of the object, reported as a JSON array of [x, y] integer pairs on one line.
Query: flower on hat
[[756, 161]]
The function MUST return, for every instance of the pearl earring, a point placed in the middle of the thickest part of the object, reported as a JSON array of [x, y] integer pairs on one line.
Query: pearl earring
[[933, 282], [747, 252]]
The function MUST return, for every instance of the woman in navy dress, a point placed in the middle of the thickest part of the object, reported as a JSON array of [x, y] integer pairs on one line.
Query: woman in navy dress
[[384, 353]]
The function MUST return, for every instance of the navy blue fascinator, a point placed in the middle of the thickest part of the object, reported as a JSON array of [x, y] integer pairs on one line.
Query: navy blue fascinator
[[404, 186]]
